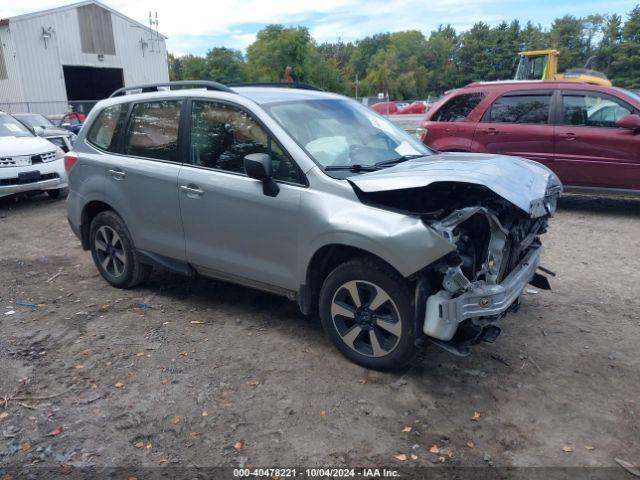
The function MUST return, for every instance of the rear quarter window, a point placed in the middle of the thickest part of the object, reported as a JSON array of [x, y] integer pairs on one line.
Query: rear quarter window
[[105, 129], [458, 108]]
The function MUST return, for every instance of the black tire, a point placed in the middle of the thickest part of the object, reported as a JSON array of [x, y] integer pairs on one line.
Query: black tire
[[57, 193], [124, 269], [370, 278]]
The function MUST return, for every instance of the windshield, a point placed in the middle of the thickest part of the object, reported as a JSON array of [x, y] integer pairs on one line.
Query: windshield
[[34, 120], [337, 132], [10, 127], [531, 68]]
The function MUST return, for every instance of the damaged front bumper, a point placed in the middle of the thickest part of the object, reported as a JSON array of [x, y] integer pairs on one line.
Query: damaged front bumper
[[445, 312]]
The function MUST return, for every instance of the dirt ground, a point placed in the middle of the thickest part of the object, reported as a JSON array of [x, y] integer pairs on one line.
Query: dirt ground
[[201, 373]]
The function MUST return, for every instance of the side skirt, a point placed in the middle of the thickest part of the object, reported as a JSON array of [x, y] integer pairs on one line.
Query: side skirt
[[166, 263], [246, 282]]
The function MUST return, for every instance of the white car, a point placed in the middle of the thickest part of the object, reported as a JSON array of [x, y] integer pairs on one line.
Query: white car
[[28, 163]]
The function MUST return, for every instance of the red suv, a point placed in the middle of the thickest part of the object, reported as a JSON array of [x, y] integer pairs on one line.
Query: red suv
[[587, 134]]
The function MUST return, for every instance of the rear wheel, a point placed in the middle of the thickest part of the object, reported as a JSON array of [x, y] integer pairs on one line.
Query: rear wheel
[[366, 309], [113, 251]]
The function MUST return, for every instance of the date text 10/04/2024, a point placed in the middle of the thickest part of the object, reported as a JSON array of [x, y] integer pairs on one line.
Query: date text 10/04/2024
[[316, 472]]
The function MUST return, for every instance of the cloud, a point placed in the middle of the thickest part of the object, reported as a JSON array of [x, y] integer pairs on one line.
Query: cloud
[[404, 15], [194, 26]]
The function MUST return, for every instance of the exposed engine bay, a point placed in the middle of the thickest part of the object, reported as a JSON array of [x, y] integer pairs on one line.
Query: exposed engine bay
[[497, 253]]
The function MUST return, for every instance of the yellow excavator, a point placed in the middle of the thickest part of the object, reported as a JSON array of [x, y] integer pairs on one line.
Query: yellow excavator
[[543, 65]]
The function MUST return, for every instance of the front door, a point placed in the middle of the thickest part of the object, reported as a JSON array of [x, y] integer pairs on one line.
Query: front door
[[589, 149], [232, 229], [517, 123]]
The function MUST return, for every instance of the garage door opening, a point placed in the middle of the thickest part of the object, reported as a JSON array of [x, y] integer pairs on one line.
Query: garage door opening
[[90, 83]]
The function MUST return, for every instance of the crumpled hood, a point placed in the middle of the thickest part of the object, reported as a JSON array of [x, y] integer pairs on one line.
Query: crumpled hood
[[16, 146], [525, 183]]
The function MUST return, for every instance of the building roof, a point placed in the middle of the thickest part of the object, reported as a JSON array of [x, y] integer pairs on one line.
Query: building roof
[[26, 16]]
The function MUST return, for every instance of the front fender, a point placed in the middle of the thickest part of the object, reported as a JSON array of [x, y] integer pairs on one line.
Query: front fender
[[403, 241]]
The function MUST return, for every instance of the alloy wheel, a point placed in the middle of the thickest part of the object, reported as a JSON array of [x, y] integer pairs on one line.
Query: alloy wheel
[[366, 318], [110, 251]]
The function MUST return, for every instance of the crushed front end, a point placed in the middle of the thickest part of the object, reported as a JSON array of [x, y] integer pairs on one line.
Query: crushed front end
[[498, 254], [461, 298]]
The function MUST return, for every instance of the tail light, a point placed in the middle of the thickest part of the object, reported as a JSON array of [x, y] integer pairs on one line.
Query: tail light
[[70, 160]]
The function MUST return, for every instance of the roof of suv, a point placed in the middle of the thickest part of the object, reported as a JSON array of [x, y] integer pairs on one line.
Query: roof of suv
[[533, 85], [504, 86], [261, 93], [264, 95]]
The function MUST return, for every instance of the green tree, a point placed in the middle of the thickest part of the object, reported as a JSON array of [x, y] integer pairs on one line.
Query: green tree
[[175, 67], [475, 59], [277, 47], [567, 36], [224, 65], [409, 65], [625, 62], [610, 41], [533, 37], [365, 50], [192, 67]]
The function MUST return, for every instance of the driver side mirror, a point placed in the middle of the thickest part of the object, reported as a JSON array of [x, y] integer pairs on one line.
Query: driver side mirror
[[39, 131], [260, 167], [630, 122]]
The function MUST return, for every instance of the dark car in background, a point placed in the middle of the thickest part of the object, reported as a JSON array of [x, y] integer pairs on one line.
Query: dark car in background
[[588, 135], [43, 127]]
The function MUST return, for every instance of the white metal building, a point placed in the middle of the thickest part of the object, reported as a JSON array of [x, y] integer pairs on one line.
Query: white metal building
[[75, 53]]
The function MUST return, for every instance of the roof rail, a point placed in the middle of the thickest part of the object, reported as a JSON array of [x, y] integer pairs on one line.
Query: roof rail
[[155, 87], [301, 86]]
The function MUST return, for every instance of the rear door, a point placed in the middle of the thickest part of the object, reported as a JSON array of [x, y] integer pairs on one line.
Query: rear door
[[589, 149], [142, 180], [517, 123]]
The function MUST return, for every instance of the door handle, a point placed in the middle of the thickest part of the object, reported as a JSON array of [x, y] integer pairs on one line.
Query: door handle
[[192, 191], [570, 136], [117, 174], [491, 131]]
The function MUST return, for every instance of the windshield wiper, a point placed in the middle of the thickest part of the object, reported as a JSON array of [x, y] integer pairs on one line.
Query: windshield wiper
[[356, 167], [395, 161]]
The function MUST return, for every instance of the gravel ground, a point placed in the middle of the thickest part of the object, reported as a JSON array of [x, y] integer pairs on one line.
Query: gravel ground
[[202, 373]]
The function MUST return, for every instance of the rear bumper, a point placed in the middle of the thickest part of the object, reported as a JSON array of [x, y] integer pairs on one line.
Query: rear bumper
[[52, 176], [443, 313]]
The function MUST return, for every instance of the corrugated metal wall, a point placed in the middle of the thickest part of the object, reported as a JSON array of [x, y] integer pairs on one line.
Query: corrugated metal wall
[[10, 88], [40, 63]]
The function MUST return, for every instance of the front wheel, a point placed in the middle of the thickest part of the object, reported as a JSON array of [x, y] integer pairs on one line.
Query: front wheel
[[367, 311]]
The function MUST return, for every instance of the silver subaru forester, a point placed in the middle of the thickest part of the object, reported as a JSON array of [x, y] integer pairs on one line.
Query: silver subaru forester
[[313, 196]]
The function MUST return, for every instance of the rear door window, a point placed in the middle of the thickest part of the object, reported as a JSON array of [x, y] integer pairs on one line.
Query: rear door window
[[105, 130], [458, 108], [592, 109], [153, 130], [531, 108]]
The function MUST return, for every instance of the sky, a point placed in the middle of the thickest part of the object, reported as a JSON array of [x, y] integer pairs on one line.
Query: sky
[[194, 26]]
